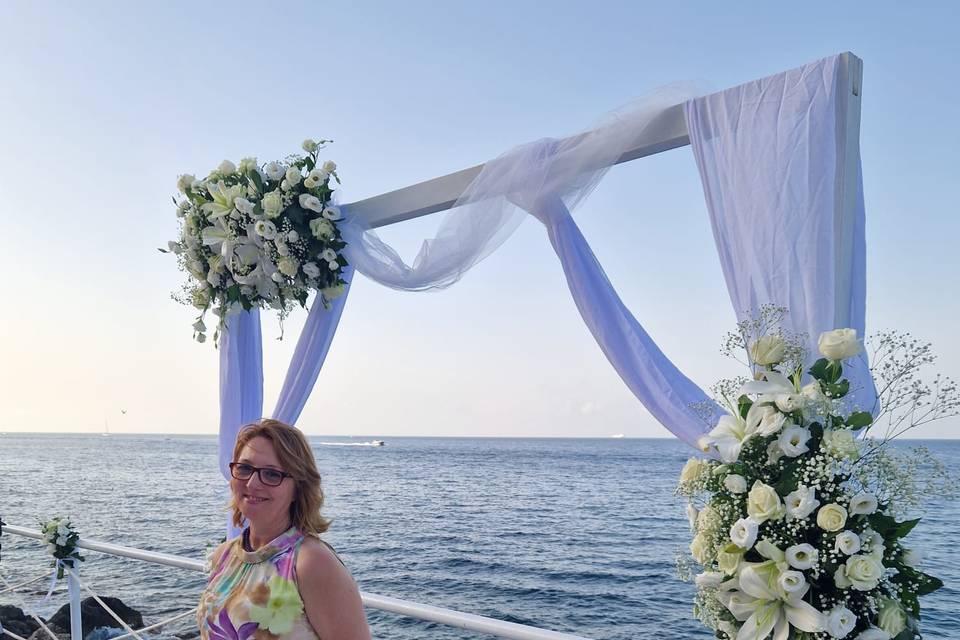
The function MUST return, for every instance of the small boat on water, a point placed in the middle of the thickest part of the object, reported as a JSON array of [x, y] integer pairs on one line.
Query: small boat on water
[[377, 443], [617, 435]]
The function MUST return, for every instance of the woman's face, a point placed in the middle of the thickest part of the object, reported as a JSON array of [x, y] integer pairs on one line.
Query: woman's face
[[260, 503]]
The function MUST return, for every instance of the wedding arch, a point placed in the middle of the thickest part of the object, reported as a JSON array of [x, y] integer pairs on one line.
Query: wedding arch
[[779, 160]]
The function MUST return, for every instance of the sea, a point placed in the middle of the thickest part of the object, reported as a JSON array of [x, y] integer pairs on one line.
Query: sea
[[573, 535]]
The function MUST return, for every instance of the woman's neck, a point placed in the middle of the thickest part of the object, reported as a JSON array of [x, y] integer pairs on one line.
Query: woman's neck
[[263, 533]]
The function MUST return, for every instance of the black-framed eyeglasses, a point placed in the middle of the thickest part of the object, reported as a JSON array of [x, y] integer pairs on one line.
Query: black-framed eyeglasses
[[269, 477]]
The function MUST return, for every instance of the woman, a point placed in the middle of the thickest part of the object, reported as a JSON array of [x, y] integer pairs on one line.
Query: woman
[[278, 581]]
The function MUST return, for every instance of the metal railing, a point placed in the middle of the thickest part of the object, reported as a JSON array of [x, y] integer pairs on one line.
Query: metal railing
[[450, 617]]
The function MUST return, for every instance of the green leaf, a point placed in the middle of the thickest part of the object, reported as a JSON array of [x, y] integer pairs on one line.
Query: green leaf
[[743, 404], [257, 180], [882, 524], [162, 250], [835, 390], [905, 527], [296, 214], [233, 293], [819, 369], [859, 419], [928, 584]]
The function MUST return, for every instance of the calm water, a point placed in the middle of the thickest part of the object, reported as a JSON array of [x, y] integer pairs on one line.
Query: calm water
[[571, 535]]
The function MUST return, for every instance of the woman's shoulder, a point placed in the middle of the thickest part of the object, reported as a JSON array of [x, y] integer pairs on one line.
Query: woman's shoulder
[[217, 555], [317, 556]]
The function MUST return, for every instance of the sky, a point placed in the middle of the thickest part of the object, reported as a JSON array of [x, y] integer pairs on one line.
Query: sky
[[104, 104]]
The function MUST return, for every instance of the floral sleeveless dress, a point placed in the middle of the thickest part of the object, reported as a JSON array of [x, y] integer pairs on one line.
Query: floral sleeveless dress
[[253, 594]]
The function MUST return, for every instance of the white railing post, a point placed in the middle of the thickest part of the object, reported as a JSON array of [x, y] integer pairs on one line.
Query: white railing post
[[76, 621]]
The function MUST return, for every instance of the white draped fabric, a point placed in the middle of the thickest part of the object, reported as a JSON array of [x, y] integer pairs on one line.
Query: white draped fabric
[[768, 157], [767, 152]]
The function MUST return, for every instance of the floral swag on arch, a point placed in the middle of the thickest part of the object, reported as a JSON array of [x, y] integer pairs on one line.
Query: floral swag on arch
[[259, 236]]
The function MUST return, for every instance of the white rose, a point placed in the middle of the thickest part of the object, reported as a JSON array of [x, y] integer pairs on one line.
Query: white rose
[[891, 617], [764, 420], [692, 470], [265, 229], [763, 503], [293, 176], [329, 166], [272, 204], [331, 293], [282, 248], [185, 182], [789, 402], [331, 213], [311, 269], [309, 145], [318, 175], [243, 205], [863, 503], [309, 182], [792, 583], [767, 350], [728, 558], [700, 549], [274, 170], [247, 165], [735, 483], [277, 277], [708, 579], [793, 440], [329, 255], [288, 266], [226, 167], [840, 578], [802, 556], [802, 502], [743, 533], [831, 517], [310, 202], [911, 558], [812, 392], [847, 542], [839, 344], [863, 572], [840, 621], [840, 443], [293, 236], [873, 633], [322, 229]]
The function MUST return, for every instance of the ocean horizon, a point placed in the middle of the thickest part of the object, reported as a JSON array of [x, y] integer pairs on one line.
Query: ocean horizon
[[578, 535]]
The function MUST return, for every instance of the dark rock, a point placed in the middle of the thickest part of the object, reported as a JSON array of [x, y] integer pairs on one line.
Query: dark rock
[[40, 634], [94, 615], [15, 620], [188, 635]]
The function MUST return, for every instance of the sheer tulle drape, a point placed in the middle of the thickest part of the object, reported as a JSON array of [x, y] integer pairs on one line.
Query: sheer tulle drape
[[767, 155], [768, 160]]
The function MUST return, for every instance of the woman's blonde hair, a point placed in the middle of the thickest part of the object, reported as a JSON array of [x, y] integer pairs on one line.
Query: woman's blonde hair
[[297, 459]]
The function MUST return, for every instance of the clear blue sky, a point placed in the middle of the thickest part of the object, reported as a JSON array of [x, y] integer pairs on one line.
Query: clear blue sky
[[103, 104]]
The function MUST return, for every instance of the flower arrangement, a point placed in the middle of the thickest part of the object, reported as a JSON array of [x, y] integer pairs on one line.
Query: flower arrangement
[[61, 539], [259, 236], [797, 526]]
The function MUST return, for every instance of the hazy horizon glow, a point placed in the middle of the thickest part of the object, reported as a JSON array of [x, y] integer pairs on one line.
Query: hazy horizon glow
[[106, 104]]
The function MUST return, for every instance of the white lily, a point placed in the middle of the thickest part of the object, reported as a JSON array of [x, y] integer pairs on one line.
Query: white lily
[[772, 610], [224, 198], [773, 384], [728, 437]]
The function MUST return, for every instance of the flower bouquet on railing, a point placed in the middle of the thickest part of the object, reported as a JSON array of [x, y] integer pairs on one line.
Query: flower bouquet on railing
[[798, 526], [259, 236], [61, 539]]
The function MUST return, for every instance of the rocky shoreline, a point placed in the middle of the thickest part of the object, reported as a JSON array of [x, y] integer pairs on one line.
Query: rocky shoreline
[[93, 615]]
